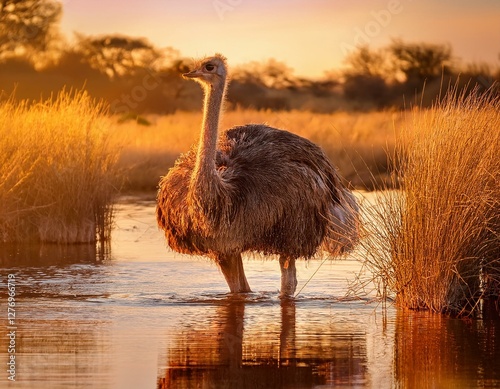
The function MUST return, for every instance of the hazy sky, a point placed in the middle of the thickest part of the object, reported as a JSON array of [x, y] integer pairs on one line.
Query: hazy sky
[[310, 36]]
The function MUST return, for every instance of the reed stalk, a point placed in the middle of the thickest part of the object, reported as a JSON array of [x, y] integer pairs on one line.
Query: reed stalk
[[57, 170], [435, 244]]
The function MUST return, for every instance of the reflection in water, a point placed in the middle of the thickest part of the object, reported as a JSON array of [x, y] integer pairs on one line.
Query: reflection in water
[[59, 353], [237, 348], [231, 352], [60, 340], [144, 318], [34, 254], [434, 351]]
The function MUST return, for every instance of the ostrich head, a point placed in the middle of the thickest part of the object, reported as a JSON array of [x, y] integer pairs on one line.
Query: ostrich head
[[210, 71]]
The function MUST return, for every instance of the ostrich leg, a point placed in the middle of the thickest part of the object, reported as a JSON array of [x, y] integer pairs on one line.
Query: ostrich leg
[[231, 266], [288, 277]]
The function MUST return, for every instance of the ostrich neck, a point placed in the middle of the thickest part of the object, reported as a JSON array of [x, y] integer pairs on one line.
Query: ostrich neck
[[204, 171]]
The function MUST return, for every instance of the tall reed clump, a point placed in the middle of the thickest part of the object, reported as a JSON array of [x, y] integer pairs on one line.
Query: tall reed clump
[[436, 243], [57, 170]]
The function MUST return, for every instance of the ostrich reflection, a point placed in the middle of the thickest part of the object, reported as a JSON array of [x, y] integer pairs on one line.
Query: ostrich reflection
[[241, 348]]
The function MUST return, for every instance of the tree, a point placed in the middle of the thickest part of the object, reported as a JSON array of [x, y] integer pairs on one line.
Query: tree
[[366, 62], [117, 55], [28, 27], [421, 61], [366, 76], [271, 74]]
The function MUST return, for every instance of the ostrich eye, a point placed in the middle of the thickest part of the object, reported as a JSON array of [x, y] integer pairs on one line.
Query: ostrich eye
[[209, 67]]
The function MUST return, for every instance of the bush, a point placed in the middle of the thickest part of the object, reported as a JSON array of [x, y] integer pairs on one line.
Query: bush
[[57, 170], [436, 244]]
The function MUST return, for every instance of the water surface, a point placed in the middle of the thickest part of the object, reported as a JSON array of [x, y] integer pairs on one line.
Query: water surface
[[145, 317]]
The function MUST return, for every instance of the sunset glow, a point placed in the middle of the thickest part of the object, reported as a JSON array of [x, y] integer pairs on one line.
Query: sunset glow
[[310, 36]]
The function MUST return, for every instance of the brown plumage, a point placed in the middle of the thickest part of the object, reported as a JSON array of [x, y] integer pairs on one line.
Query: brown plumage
[[254, 188]]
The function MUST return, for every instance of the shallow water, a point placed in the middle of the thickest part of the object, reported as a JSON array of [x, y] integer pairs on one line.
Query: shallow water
[[149, 318]]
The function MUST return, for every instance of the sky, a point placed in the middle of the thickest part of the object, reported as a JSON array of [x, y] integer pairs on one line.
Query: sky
[[310, 36]]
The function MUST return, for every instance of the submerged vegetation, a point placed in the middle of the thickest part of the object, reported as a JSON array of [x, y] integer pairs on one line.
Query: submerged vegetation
[[57, 170], [436, 243]]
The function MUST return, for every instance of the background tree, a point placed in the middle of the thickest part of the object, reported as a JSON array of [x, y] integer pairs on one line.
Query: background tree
[[117, 55], [271, 74], [421, 61], [28, 27], [365, 78], [367, 62]]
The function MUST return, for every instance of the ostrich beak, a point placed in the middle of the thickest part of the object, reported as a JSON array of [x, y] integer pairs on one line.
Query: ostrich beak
[[192, 74]]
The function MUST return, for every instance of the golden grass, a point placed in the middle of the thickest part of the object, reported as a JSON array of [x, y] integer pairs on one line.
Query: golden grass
[[357, 143], [57, 170], [436, 244]]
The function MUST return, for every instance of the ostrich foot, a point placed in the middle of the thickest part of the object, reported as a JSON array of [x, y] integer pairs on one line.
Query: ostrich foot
[[231, 266], [288, 277]]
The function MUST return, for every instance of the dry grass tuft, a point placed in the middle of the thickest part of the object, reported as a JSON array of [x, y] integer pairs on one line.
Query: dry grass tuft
[[436, 244], [57, 170]]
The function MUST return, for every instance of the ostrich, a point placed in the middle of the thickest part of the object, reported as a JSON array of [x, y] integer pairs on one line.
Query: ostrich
[[252, 188]]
